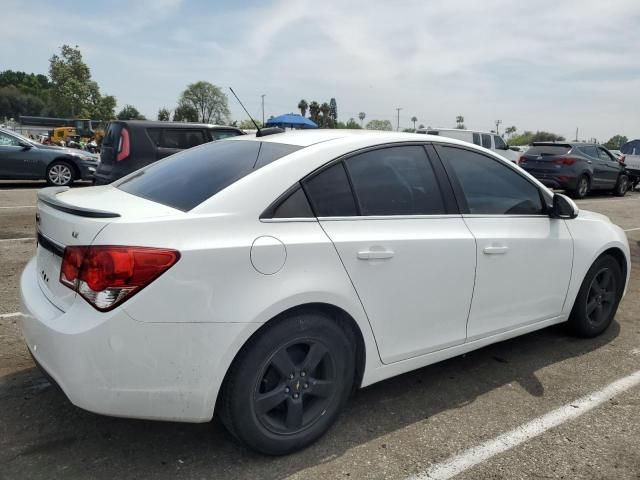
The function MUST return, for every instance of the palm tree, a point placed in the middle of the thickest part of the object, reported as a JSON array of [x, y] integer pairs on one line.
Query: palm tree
[[314, 109], [325, 109], [460, 122], [510, 130], [362, 116], [303, 105], [414, 120]]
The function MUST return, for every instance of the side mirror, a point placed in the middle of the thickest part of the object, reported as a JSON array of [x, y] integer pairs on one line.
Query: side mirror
[[563, 207], [506, 147], [25, 145]]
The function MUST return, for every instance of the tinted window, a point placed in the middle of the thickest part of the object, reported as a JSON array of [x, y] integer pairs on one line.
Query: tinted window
[[604, 155], [500, 145], [489, 186], [330, 193], [548, 150], [188, 178], [8, 140], [486, 140], [590, 150], [110, 135], [181, 138], [295, 206], [631, 148], [476, 138], [154, 135], [395, 181], [220, 134]]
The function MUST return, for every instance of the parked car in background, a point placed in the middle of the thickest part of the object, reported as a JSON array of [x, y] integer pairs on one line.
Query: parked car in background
[[487, 140], [631, 159], [268, 277], [132, 144], [616, 153], [24, 159], [576, 167]]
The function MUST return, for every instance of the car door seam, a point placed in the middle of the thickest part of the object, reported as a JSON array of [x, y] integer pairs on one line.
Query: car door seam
[[475, 278]]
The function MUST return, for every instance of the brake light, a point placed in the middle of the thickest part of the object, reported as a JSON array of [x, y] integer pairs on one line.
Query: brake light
[[522, 160], [564, 161], [124, 146], [621, 160], [106, 276]]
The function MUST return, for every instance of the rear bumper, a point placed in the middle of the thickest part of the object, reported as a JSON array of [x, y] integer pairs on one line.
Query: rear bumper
[[553, 180], [111, 364]]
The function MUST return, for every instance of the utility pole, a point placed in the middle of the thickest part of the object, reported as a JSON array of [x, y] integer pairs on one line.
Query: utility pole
[[398, 125], [498, 122], [263, 95], [576, 134]]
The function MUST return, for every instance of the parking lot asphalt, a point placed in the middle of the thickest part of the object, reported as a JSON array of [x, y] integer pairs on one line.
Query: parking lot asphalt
[[462, 416]]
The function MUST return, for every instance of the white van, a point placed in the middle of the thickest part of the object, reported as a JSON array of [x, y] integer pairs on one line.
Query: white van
[[484, 139]]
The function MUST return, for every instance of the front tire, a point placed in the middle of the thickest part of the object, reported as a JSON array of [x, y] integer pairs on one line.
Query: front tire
[[288, 385], [622, 186], [60, 174], [598, 298]]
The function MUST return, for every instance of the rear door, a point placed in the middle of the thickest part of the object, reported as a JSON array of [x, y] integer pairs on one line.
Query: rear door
[[524, 257], [409, 255]]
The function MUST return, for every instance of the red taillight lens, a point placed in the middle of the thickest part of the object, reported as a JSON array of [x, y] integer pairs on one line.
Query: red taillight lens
[[564, 161], [621, 160], [124, 146], [105, 276], [522, 160]]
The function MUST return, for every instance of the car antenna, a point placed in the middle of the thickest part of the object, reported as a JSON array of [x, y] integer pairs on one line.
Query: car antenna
[[261, 131]]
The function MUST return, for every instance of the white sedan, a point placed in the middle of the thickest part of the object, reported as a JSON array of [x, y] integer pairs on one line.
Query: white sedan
[[267, 277]]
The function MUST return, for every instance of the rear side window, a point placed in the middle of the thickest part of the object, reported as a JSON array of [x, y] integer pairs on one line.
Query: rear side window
[[476, 138], [181, 138], [330, 193], [220, 134], [295, 206], [486, 140], [395, 181], [188, 178], [548, 150], [604, 155], [490, 187], [154, 135]]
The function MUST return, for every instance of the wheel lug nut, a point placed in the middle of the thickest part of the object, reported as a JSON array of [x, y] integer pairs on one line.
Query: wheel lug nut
[[291, 375], [295, 395], [306, 385], [287, 390], [303, 374]]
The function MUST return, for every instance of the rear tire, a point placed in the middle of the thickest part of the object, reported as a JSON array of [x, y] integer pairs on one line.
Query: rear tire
[[598, 298], [622, 186], [60, 174], [288, 385], [582, 187]]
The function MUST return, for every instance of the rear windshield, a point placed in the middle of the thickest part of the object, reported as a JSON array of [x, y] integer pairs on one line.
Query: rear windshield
[[188, 178], [545, 150]]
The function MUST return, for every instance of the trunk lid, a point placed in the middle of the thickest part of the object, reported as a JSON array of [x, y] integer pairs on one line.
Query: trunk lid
[[75, 217]]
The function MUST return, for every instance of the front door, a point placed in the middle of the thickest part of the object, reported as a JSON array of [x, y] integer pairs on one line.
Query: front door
[[16, 161], [411, 260], [524, 257]]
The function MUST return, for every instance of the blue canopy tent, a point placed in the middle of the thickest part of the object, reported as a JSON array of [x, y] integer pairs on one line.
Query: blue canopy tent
[[291, 120]]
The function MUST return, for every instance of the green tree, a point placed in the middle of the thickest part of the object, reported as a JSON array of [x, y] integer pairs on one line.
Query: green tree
[[314, 111], [379, 125], [248, 124], [208, 101], [164, 114], [185, 113], [303, 106], [351, 124], [14, 103], [362, 116], [333, 110], [510, 130], [615, 142], [460, 122], [325, 109], [421, 125], [29, 83], [129, 112], [414, 120]]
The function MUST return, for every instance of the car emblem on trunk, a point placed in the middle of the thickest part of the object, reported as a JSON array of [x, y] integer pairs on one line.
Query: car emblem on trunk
[[74, 234], [38, 218]]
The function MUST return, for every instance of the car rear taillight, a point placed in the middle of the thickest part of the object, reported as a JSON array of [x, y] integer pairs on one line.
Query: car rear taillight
[[564, 161], [621, 160], [106, 276], [124, 145], [522, 160]]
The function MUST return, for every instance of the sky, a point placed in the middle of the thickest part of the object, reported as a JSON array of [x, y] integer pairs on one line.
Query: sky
[[553, 65]]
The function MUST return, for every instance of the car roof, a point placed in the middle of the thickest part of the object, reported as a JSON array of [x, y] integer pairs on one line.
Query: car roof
[[159, 124], [565, 144], [305, 138], [438, 129]]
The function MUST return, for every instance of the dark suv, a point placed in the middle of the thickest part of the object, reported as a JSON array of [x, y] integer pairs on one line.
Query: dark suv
[[576, 167], [131, 144]]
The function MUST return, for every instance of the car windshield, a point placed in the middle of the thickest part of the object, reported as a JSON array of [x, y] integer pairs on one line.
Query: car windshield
[[188, 178]]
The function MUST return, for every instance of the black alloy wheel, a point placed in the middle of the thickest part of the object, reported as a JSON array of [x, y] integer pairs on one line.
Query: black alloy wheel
[[602, 297]]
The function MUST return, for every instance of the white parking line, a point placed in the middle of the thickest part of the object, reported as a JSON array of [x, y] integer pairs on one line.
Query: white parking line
[[10, 315], [18, 206], [632, 229], [469, 458], [16, 239]]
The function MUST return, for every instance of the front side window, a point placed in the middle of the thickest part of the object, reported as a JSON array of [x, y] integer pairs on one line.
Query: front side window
[[604, 155], [500, 145], [330, 193], [190, 177], [395, 181], [489, 187], [486, 140], [8, 140], [589, 150]]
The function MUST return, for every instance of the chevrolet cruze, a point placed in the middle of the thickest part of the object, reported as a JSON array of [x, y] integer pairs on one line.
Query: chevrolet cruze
[[266, 277]]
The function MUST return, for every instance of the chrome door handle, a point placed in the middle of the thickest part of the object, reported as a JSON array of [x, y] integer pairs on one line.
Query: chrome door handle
[[496, 250], [373, 254]]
